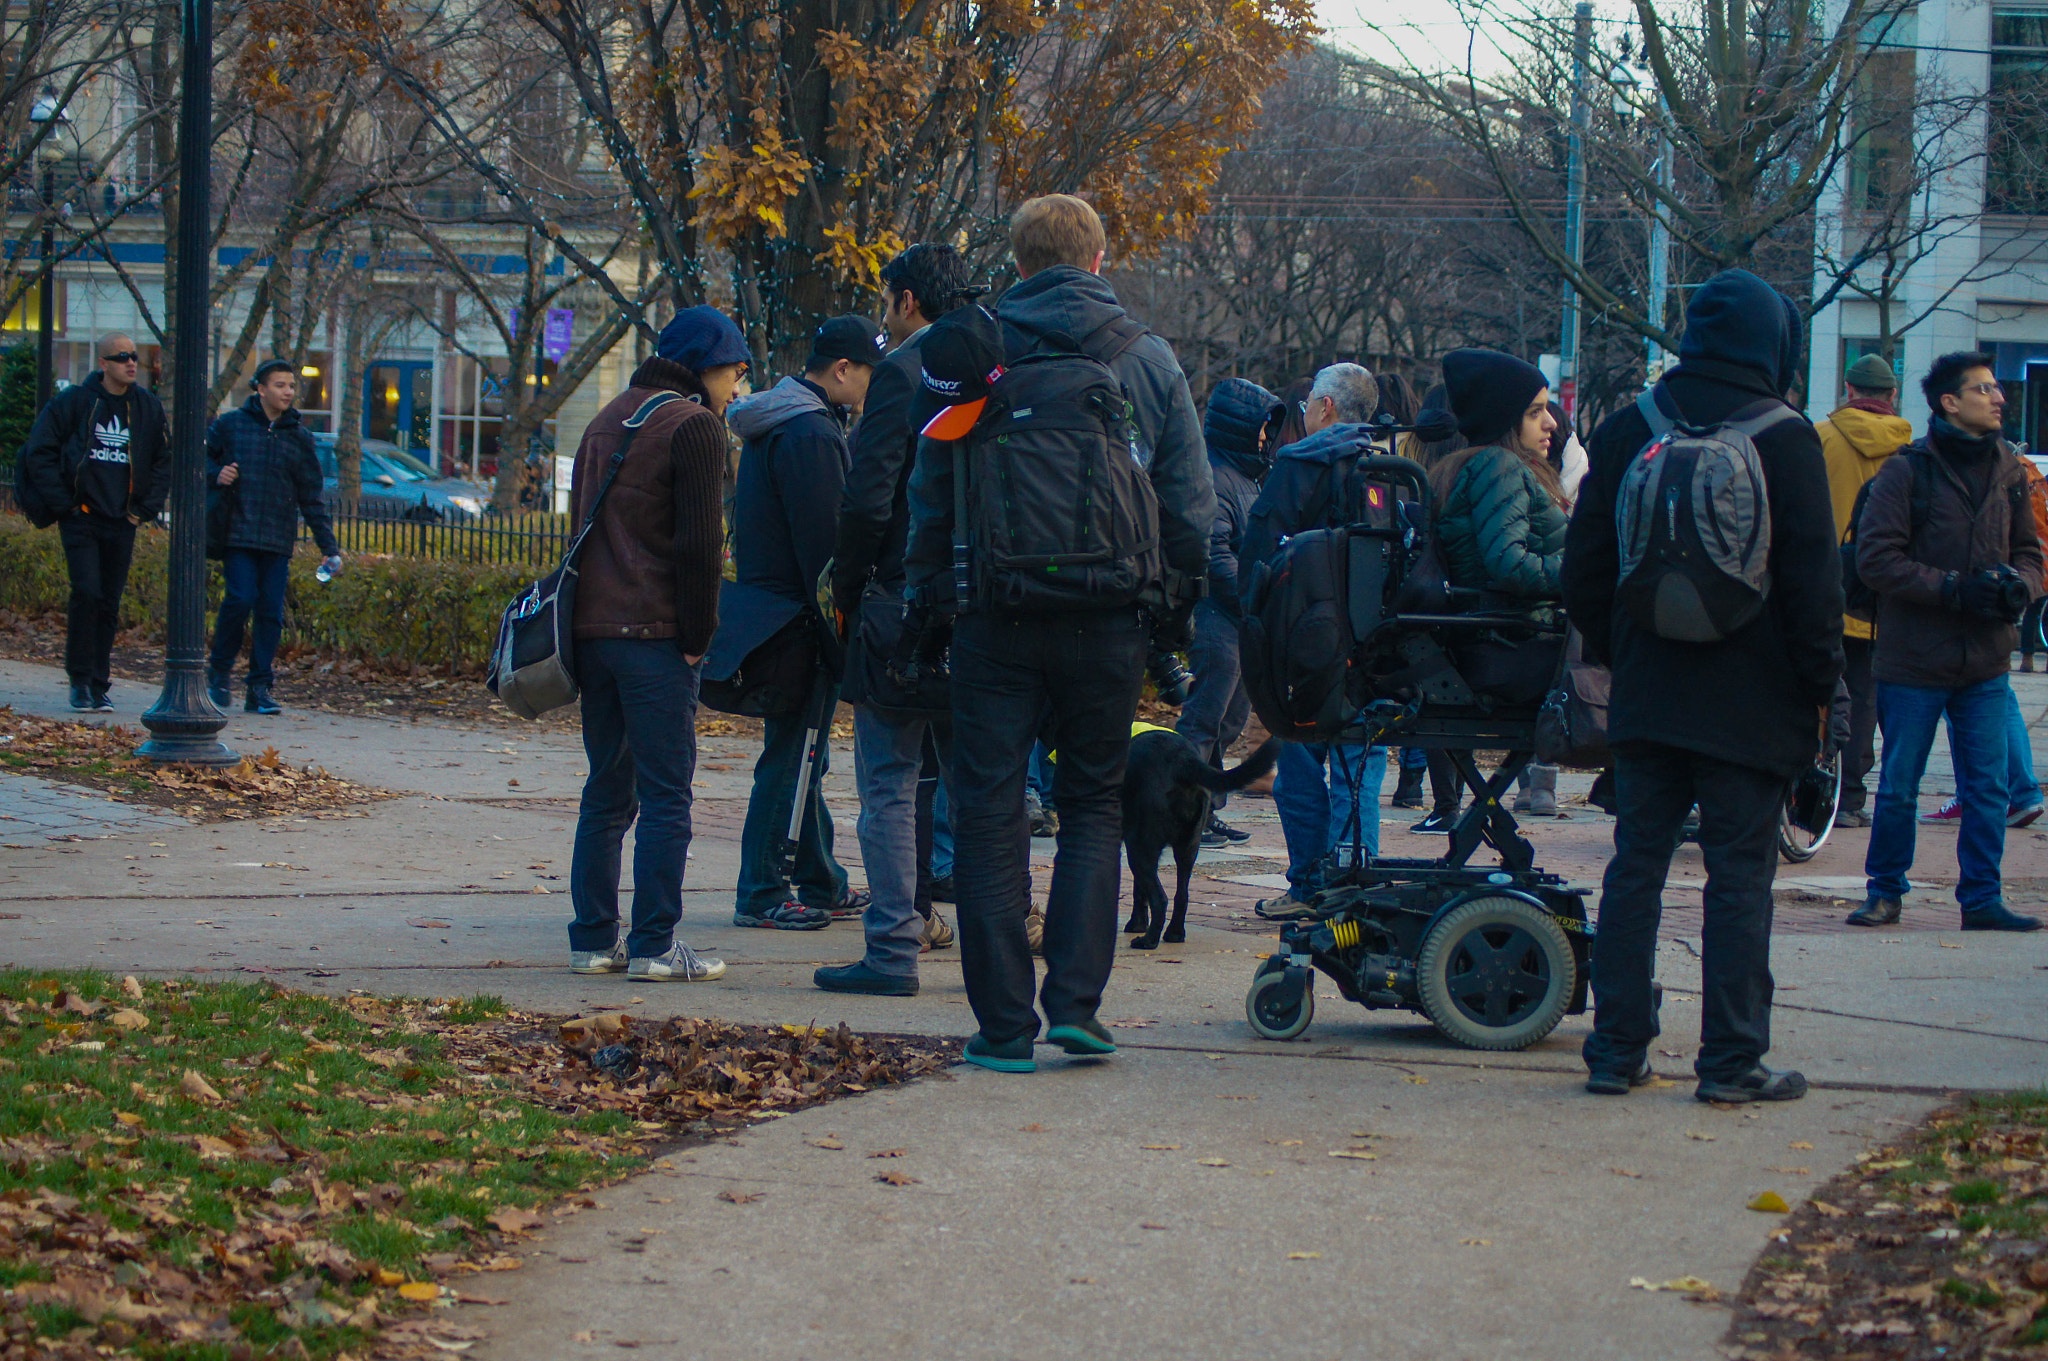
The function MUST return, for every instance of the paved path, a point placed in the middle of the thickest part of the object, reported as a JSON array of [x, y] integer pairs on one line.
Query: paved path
[[1504, 1214]]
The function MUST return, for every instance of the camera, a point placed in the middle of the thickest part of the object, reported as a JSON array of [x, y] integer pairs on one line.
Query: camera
[[1169, 675], [2012, 593]]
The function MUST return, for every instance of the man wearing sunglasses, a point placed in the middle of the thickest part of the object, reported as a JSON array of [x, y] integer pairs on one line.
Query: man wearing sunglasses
[[1947, 544], [95, 466]]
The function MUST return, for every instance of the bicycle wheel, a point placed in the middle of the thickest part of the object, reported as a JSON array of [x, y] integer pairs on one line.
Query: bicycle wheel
[[1799, 844]]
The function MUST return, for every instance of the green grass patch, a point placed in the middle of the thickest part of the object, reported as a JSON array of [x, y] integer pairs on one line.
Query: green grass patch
[[213, 1166]]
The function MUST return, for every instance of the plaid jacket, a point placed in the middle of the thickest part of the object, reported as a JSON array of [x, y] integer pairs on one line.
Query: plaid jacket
[[278, 481]]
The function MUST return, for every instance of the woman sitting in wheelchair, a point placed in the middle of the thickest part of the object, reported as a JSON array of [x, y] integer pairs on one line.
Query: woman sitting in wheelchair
[[1500, 505], [1500, 520]]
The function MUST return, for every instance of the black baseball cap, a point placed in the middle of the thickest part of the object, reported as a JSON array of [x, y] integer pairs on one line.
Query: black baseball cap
[[847, 337], [962, 355]]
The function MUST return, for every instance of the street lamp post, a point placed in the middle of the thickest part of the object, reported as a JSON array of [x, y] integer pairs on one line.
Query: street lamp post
[[183, 723], [49, 118]]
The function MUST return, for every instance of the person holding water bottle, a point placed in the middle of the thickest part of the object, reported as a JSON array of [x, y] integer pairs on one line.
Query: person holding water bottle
[[264, 456]]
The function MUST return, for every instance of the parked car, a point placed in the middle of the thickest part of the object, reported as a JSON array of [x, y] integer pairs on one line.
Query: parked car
[[399, 486]]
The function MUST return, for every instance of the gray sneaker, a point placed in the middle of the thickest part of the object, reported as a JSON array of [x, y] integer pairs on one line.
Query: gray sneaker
[[680, 965], [599, 961]]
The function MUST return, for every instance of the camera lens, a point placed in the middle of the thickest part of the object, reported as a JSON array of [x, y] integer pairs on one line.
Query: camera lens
[[1169, 677]]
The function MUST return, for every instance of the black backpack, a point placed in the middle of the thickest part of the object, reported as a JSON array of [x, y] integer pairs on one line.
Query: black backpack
[[1059, 511], [1309, 607], [1693, 517]]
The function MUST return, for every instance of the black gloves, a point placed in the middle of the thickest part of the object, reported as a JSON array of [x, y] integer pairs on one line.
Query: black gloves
[[1174, 631], [1996, 593], [921, 647]]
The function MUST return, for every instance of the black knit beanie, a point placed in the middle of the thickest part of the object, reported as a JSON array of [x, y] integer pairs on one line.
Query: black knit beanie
[[1489, 391]]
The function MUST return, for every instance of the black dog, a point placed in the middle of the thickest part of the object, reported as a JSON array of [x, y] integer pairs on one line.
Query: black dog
[[1167, 789]]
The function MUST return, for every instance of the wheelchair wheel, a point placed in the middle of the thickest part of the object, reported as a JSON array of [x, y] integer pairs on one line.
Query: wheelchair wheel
[[1800, 844], [1282, 1000], [1496, 973]]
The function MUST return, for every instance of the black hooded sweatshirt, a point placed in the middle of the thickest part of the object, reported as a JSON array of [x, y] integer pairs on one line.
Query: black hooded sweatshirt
[[1752, 699]]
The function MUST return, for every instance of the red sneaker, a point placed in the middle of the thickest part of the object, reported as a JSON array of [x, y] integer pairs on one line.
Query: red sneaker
[[1952, 811]]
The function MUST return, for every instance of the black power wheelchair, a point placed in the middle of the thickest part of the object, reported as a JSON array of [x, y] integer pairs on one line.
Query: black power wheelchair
[[1494, 955]]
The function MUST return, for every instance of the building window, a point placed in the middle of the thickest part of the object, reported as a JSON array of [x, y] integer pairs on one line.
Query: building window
[[2016, 174], [1855, 349], [1881, 167]]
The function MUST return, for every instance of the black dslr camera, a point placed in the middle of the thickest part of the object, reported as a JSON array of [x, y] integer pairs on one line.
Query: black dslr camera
[[1169, 675]]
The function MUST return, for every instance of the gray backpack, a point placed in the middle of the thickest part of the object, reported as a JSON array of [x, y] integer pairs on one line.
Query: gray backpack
[[1693, 518], [533, 664]]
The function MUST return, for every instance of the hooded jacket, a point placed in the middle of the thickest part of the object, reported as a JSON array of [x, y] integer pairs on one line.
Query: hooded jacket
[[1752, 699], [1233, 427], [652, 563], [1923, 639], [92, 451], [792, 469], [874, 510], [277, 479], [1077, 303], [1305, 488], [1854, 443]]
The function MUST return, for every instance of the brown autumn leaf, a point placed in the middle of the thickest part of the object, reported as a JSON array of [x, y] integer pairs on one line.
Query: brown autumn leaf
[[512, 1219], [130, 988], [197, 1087], [128, 1019], [890, 1153], [732, 1197], [420, 1290], [896, 1178], [827, 1142]]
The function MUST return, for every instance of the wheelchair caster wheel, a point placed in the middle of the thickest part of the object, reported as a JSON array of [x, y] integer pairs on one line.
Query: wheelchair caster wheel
[[1282, 1000]]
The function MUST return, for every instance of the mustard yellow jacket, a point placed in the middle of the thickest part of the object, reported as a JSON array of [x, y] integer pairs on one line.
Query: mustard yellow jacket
[[1855, 444]]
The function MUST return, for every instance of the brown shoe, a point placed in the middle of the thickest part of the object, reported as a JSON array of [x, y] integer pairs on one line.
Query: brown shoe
[[1876, 912], [1034, 930]]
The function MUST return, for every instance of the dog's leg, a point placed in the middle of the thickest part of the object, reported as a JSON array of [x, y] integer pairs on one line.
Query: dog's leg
[[1134, 855], [1149, 897], [1184, 871]]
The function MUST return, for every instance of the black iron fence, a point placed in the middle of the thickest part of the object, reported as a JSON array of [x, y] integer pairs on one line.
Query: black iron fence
[[534, 538]]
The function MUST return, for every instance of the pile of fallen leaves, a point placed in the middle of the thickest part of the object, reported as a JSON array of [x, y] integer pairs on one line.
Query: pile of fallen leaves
[[102, 756], [1937, 1248], [220, 1170]]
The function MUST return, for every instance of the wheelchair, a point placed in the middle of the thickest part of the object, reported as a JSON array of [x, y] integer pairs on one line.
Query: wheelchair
[[1494, 955]]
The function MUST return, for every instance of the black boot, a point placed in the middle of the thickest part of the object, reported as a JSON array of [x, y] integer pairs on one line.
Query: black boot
[[260, 702], [217, 690], [81, 697], [1408, 792]]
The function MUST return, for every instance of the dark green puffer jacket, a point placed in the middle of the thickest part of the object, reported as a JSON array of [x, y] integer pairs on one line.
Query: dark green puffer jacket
[[1498, 530]]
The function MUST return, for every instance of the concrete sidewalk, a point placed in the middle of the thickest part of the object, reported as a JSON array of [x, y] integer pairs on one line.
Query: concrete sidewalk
[[1504, 1213]]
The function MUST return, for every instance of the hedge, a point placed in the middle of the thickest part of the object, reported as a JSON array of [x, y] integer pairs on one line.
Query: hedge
[[435, 615]]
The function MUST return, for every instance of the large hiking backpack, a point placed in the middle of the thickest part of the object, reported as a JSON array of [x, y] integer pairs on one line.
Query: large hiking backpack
[[1059, 510], [1308, 608], [1693, 517]]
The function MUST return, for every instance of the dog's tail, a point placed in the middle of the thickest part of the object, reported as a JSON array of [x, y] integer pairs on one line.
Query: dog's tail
[[1251, 768]]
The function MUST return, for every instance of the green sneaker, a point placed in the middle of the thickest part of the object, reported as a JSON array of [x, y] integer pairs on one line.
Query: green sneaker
[[1089, 1037], [1011, 1057]]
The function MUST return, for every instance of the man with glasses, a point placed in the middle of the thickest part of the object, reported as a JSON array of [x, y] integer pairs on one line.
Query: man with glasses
[[1947, 543], [95, 464]]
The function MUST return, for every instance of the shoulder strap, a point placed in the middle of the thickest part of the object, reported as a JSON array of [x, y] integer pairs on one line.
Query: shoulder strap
[[1922, 502], [1776, 414], [960, 582], [1659, 421], [1109, 340], [611, 472]]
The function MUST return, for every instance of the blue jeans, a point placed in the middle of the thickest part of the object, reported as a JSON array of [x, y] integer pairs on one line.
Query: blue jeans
[[250, 581], [819, 881], [2022, 789], [942, 834], [1316, 809], [1980, 717], [639, 705], [888, 756]]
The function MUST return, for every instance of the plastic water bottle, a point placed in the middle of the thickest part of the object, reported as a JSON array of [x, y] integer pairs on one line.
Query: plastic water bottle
[[324, 573]]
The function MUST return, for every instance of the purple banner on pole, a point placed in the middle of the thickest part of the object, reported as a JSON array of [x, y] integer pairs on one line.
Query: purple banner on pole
[[559, 334]]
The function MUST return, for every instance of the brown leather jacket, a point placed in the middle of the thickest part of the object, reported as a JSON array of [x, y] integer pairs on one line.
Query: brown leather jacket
[[1922, 639], [652, 565]]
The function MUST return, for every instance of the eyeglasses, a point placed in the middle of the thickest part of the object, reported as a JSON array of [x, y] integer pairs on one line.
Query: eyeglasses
[[125, 357], [1985, 389]]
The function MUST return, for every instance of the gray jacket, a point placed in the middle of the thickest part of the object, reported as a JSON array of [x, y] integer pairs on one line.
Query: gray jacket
[[1169, 434]]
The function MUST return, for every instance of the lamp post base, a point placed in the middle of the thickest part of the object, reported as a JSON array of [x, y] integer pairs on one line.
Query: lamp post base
[[184, 725]]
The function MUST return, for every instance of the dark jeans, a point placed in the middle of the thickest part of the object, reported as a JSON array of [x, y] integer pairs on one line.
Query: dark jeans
[[250, 581], [1656, 786], [97, 552], [819, 881], [1217, 707], [1861, 757], [640, 733], [1089, 668]]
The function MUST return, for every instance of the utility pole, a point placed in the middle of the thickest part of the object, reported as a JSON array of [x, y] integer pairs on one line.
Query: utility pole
[[1660, 241], [183, 724], [1575, 206]]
